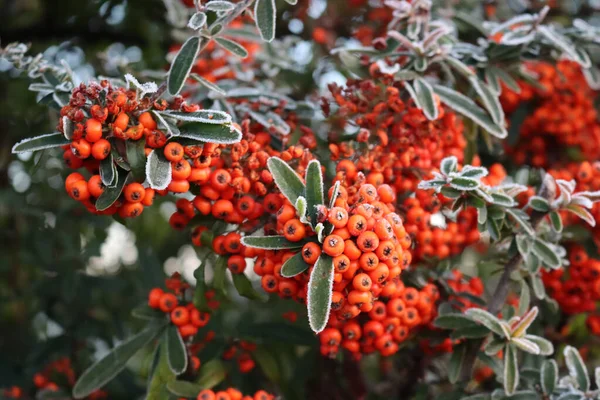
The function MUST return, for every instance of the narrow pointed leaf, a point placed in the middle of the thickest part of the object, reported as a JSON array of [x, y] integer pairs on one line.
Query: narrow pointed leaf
[[286, 179], [319, 293], [293, 266], [205, 116], [448, 165], [467, 107], [109, 366], [108, 171], [314, 190], [526, 345], [524, 298], [232, 47], [545, 253], [176, 351], [200, 301], [211, 374], [42, 142], [182, 65], [270, 242], [511, 370], [184, 389], [210, 132], [524, 323], [545, 346], [456, 362], [265, 14], [490, 100], [136, 157], [488, 320], [207, 84], [424, 92], [453, 321]]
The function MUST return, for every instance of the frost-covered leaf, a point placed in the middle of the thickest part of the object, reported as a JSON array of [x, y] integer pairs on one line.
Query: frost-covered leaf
[[470, 171], [449, 165], [197, 21], [176, 350], [577, 368], [524, 298], [182, 65], [112, 193], [539, 204], [545, 346], [270, 242], [488, 320], [564, 44], [286, 179], [503, 200], [464, 184], [490, 100], [453, 321], [232, 46], [546, 254], [511, 370], [210, 133], [207, 84], [524, 322], [526, 345], [108, 171], [158, 170], [425, 93], [42, 142], [293, 266], [467, 107], [549, 376], [582, 213], [556, 221], [314, 190], [265, 14], [219, 5], [318, 298], [522, 219], [456, 362], [204, 116]]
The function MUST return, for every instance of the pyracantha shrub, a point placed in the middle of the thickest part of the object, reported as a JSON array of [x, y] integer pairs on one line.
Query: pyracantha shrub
[[333, 199]]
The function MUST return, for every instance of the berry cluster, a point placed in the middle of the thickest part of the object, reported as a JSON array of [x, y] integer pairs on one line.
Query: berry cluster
[[102, 122], [563, 115], [242, 353], [232, 394], [59, 376], [578, 291]]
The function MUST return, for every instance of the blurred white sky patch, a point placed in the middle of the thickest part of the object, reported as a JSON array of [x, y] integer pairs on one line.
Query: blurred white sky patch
[[118, 250], [185, 263]]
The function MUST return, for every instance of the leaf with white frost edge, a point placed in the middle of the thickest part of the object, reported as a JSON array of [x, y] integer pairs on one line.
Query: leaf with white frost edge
[[511, 370], [488, 320], [577, 368], [158, 171], [42, 142], [549, 376], [318, 299], [286, 179], [526, 345], [449, 165], [204, 116]]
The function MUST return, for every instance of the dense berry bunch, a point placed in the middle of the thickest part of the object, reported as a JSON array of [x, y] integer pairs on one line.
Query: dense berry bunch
[[103, 123], [563, 114], [396, 143], [233, 394]]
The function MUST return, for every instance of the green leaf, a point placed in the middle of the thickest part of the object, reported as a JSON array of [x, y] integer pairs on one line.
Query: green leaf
[[42, 142], [109, 366], [286, 179], [582, 213], [219, 281], [511, 370], [539, 204], [267, 363], [197, 21], [464, 184], [301, 209], [314, 190], [539, 290], [526, 345], [453, 321], [219, 5], [319, 293], [467, 107], [207, 84], [521, 218], [278, 332], [136, 157], [577, 368], [494, 346], [541, 249], [451, 193], [270, 242], [524, 298], [556, 221], [182, 65], [470, 332], [490, 100], [470, 171], [211, 374], [424, 93], [184, 389], [244, 287], [199, 299], [562, 43], [503, 200], [112, 193], [176, 351], [108, 171], [210, 132], [158, 170], [293, 266], [456, 362], [265, 14], [549, 376], [232, 46], [488, 320], [161, 376], [146, 312], [545, 346], [449, 165]]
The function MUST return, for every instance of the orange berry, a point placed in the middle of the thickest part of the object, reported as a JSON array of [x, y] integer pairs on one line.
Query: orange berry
[[311, 252], [134, 192], [101, 149], [147, 121], [93, 130], [333, 245], [294, 230], [180, 316], [173, 151]]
